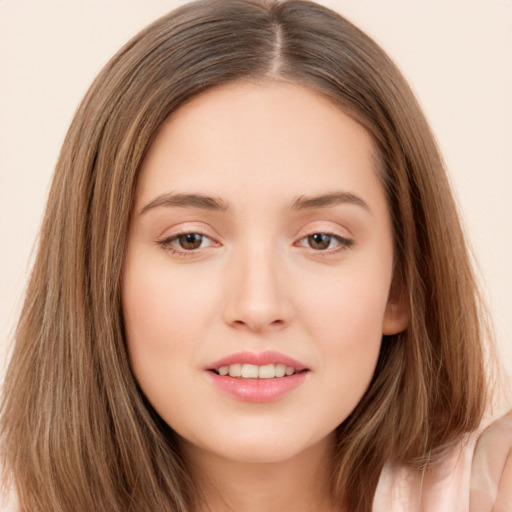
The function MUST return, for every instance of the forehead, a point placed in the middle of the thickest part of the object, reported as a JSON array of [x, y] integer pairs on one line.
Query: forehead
[[268, 138]]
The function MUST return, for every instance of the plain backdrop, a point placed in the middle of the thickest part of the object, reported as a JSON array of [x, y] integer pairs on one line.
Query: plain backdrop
[[457, 55]]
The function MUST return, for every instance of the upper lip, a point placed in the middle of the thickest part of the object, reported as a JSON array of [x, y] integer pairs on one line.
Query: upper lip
[[258, 359]]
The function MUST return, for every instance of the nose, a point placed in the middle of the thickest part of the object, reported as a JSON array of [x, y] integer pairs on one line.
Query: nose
[[258, 292]]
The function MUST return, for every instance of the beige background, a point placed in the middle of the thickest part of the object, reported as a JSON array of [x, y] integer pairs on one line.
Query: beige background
[[457, 55]]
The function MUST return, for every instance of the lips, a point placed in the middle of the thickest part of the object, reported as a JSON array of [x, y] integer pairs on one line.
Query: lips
[[257, 377]]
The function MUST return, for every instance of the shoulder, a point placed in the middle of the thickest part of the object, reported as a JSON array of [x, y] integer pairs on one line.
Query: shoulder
[[443, 487], [474, 477], [491, 473]]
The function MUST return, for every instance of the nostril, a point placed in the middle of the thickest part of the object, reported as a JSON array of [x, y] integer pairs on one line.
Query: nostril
[[259, 325]]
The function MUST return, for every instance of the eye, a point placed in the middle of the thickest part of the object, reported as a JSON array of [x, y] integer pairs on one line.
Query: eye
[[320, 241], [186, 243], [325, 242], [190, 241]]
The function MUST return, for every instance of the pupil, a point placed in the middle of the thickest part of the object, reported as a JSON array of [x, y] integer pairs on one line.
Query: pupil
[[190, 241], [319, 241]]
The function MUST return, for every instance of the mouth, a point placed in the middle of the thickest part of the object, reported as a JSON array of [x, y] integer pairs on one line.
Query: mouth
[[257, 365], [253, 371], [257, 377]]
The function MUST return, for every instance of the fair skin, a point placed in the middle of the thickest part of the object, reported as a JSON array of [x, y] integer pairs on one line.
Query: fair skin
[[288, 260]]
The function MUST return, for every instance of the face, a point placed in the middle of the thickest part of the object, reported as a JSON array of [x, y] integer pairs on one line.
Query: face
[[258, 270]]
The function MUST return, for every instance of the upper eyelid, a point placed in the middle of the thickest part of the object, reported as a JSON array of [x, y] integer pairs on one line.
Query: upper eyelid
[[343, 240], [175, 231], [175, 236], [333, 229], [325, 232], [327, 227], [169, 245]]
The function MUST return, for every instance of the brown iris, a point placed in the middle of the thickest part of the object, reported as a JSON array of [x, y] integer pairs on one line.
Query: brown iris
[[319, 241], [190, 241]]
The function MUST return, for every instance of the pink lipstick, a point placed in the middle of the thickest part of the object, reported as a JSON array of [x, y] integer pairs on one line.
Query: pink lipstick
[[257, 377]]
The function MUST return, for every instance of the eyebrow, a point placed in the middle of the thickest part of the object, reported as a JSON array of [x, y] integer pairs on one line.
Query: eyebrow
[[328, 200], [186, 201]]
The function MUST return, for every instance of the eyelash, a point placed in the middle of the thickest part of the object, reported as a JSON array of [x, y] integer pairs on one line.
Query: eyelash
[[344, 243], [167, 243]]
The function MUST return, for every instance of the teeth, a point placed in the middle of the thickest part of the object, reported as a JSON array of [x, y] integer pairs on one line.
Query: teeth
[[249, 371], [280, 370], [235, 370], [267, 372], [252, 371]]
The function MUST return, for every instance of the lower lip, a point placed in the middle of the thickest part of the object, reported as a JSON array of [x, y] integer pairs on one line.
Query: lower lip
[[257, 390]]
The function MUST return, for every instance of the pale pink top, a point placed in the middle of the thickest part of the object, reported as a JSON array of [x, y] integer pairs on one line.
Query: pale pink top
[[475, 477]]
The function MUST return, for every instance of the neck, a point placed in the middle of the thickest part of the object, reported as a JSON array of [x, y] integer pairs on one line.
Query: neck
[[301, 483]]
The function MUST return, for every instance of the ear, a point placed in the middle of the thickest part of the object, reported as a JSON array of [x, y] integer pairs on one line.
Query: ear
[[398, 312]]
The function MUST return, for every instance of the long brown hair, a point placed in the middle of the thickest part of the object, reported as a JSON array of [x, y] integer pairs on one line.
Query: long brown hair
[[77, 433]]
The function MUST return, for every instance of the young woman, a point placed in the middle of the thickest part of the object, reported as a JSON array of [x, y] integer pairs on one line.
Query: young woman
[[252, 290]]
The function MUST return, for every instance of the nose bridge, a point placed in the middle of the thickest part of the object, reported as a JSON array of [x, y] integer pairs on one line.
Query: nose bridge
[[257, 291]]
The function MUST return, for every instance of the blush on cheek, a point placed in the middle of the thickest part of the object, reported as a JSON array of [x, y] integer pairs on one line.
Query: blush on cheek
[[352, 334]]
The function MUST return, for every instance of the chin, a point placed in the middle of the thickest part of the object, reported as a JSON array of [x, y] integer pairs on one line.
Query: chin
[[261, 453], [258, 446]]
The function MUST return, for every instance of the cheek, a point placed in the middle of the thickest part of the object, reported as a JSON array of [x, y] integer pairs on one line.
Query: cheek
[[160, 306], [166, 314], [346, 317], [351, 306], [351, 332]]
